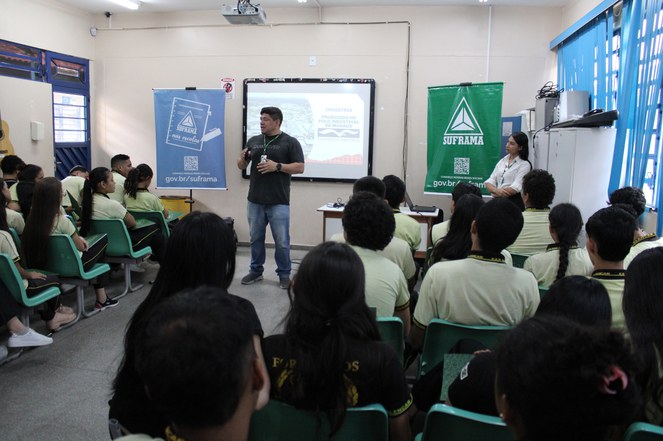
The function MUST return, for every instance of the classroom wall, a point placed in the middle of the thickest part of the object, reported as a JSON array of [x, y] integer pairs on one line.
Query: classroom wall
[[134, 53]]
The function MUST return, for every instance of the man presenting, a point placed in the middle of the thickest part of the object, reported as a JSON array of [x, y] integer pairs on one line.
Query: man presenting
[[274, 156]]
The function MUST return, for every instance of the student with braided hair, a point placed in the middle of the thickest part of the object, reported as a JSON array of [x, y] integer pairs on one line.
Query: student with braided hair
[[563, 257], [558, 380]]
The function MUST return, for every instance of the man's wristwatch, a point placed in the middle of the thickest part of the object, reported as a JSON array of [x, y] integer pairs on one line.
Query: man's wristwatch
[[278, 167]]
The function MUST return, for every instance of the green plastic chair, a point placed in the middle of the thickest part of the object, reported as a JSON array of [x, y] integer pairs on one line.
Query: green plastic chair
[[442, 335], [391, 331], [64, 260], [278, 421], [75, 205], [543, 290], [643, 432], [158, 218], [519, 259], [120, 249], [12, 279], [452, 424]]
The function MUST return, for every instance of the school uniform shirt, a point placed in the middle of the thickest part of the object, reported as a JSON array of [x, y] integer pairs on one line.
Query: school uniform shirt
[[439, 231], [478, 290], [118, 194], [103, 207], [386, 287], [373, 374], [73, 185], [641, 244], [144, 201], [535, 235], [544, 266], [613, 280], [7, 246], [15, 220], [62, 225], [398, 251], [13, 192], [407, 229]]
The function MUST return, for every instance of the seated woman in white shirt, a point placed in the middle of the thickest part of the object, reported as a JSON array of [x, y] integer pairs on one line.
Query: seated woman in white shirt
[[506, 180]]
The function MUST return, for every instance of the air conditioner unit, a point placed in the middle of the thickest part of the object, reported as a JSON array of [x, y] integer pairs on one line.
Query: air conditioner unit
[[251, 14]]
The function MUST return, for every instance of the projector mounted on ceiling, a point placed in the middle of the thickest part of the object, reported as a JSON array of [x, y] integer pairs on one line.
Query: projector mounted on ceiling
[[244, 13]]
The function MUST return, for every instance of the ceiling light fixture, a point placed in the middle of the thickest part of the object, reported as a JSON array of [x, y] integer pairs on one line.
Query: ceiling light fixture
[[301, 1], [130, 4]]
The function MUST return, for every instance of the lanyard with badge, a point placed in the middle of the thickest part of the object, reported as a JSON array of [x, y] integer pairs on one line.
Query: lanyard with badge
[[506, 169], [265, 144]]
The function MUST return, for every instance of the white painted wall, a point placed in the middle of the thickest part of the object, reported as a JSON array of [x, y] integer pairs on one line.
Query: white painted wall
[[23, 101], [448, 45]]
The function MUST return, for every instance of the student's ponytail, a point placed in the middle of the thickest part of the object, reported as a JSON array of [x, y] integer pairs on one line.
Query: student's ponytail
[[136, 175], [566, 221], [97, 176]]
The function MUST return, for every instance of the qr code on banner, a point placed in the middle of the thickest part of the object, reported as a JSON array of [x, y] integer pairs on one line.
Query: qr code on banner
[[461, 166], [190, 163]]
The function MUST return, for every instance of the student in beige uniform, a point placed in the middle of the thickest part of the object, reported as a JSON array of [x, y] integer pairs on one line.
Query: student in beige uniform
[[47, 218], [407, 228], [538, 194], [98, 205], [368, 224], [398, 251], [73, 185], [137, 195], [120, 166], [635, 198], [481, 289], [461, 189], [14, 219], [609, 237], [563, 257]]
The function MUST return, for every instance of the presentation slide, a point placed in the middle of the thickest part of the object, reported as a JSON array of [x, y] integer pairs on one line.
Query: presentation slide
[[331, 118]]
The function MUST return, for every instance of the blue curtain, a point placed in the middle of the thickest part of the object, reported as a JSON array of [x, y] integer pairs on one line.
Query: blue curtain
[[580, 54], [638, 97]]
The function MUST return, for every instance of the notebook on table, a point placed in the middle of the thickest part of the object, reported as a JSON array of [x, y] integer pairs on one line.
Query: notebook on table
[[418, 208]]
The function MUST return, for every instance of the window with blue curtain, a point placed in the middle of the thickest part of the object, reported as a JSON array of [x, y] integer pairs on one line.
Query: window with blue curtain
[[637, 157], [588, 60], [621, 68]]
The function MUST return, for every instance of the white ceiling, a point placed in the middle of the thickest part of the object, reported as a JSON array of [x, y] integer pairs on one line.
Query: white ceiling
[[100, 6]]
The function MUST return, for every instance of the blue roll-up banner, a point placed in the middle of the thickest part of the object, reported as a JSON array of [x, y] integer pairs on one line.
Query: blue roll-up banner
[[190, 148]]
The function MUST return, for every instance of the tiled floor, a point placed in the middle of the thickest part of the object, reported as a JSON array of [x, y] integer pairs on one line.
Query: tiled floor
[[60, 392]]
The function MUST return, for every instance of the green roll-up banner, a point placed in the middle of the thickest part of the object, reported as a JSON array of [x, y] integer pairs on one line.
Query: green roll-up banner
[[463, 135]]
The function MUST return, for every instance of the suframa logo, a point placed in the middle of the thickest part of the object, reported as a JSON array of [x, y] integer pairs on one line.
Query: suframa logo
[[463, 128]]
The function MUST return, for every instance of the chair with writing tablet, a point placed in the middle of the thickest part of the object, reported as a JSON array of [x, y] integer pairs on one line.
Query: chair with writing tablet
[[158, 218]]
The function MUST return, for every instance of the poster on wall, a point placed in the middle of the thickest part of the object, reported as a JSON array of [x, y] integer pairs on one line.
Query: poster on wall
[[189, 138], [464, 123]]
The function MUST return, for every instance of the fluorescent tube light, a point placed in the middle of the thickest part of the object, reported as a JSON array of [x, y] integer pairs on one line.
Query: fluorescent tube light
[[130, 4]]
